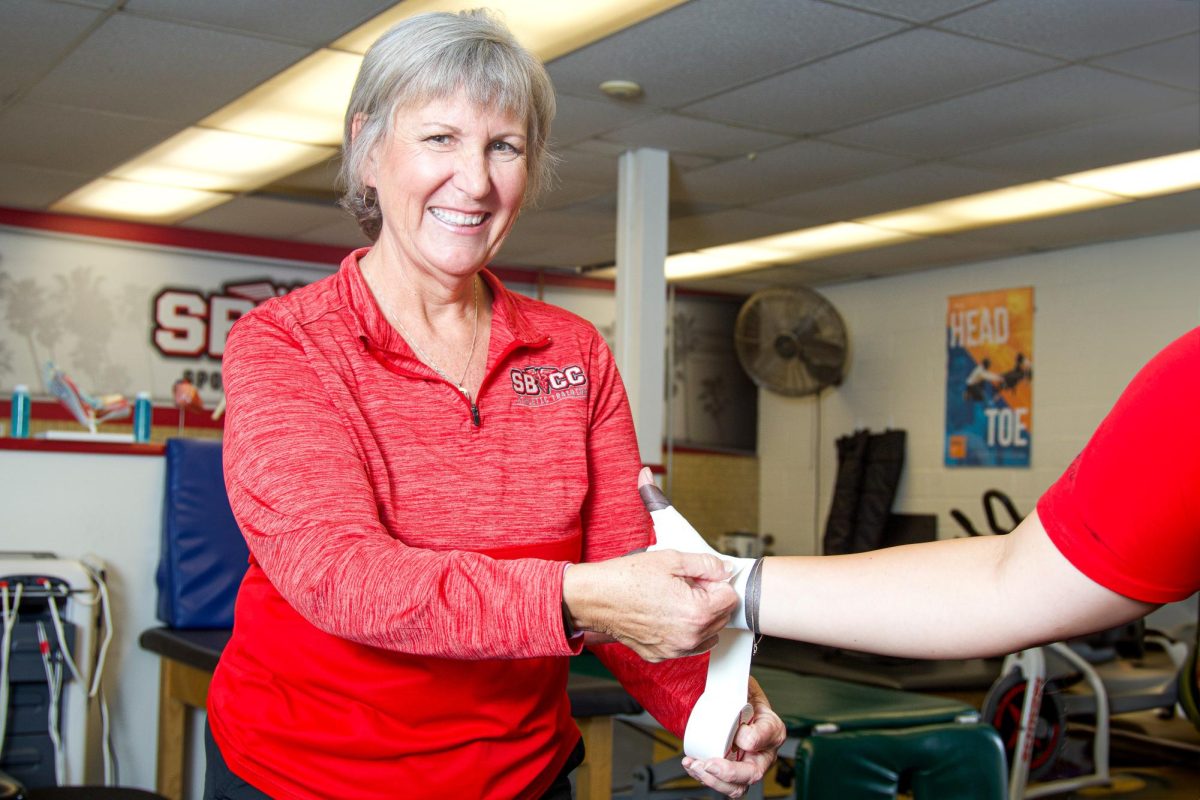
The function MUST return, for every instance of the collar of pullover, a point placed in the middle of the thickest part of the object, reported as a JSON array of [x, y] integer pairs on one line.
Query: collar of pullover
[[509, 324]]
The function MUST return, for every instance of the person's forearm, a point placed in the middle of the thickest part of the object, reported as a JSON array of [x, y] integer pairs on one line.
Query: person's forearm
[[915, 602], [957, 598]]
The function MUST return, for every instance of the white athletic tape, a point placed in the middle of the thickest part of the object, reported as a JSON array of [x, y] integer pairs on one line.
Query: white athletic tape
[[722, 708]]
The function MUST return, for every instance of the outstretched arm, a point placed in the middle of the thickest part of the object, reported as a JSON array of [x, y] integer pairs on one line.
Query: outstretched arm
[[956, 598], [1126, 512]]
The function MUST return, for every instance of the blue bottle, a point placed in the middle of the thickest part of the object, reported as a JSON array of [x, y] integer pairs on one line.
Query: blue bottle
[[20, 412], [142, 413]]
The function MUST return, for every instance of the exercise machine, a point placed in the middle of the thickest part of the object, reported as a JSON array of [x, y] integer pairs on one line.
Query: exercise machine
[[56, 630], [1042, 687]]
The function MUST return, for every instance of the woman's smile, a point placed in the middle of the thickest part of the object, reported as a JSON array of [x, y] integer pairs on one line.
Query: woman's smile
[[459, 219]]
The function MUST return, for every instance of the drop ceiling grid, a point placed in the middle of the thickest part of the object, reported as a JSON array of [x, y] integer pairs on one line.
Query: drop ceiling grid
[[902, 188], [310, 23], [1077, 29], [1175, 62], [159, 70], [1042, 103], [34, 37], [809, 164], [864, 84], [73, 139], [851, 106], [1089, 146], [265, 216], [738, 47]]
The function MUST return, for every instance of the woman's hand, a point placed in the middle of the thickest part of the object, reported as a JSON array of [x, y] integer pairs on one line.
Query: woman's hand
[[755, 746], [662, 604]]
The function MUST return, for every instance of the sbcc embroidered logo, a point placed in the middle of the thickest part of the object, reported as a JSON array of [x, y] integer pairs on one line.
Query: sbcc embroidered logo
[[541, 386]]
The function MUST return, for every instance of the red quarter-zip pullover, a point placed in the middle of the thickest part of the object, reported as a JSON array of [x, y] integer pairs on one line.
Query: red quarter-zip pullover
[[399, 632]]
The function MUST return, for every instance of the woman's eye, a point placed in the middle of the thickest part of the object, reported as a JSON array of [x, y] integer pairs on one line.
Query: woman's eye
[[506, 149], [439, 138]]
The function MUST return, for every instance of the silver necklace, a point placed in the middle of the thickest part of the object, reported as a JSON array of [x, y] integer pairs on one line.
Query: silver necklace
[[433, 364]]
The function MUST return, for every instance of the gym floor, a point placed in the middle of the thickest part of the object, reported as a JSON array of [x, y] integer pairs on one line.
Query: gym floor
[[1152, 759]]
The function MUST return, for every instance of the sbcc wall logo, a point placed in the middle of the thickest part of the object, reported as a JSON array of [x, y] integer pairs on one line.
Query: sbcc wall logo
[[188, 324], [195, 326], [539, 386]]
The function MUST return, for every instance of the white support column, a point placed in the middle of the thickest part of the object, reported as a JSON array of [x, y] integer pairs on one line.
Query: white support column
[[641, 292]]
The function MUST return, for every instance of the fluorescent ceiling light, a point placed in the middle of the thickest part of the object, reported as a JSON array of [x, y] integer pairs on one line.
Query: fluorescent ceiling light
[[1148, 178], [1067, 194], [110, 197], [785, 248], [201, 158], [749, 252], [1000, 207], [829, 240], [550, 28], [304, 103], [701, 264]]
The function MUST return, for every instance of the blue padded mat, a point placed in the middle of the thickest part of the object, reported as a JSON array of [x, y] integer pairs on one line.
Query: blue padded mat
[[203, 555]]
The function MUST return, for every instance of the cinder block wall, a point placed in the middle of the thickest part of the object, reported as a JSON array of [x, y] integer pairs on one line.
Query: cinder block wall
[[1102, 311], [717, 492]]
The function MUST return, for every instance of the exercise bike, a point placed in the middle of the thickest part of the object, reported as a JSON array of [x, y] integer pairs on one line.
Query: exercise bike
[[1095, 677]]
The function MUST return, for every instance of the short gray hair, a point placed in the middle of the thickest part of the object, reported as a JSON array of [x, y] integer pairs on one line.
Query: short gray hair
[[430, 57]]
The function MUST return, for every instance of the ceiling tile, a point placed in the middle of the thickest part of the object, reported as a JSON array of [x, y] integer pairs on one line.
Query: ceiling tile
[[565, 194], [615, 150], [580, 118], [1090, 146], [1041, 103], [687, 161], [784, 170], [577, 221], [917, 10], [1076, 29], [561, 252], [75, 139], [594, 168], [160, 70], [606, 204], [35, 188], [318, 180], [902, 188], [311, 22], [722, 227], [270, 217], [674, 133], [662, 54], [34, 36], [864, 83], [1176, 62], [343, 232]]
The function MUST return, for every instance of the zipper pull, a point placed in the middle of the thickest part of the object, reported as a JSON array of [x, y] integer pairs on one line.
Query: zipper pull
[[475, 414]]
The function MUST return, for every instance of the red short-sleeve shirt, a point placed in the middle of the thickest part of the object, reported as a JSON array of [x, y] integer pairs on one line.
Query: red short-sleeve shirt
[[1126, 512]]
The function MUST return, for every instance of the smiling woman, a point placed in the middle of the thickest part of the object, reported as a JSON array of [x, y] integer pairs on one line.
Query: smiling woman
[[390, 632], [401, 73]]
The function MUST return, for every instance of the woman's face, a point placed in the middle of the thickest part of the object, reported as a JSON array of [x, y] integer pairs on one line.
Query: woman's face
[[450, 181]]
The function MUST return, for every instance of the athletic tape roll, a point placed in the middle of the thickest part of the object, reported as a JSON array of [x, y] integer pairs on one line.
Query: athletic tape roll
[[722, 708]]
